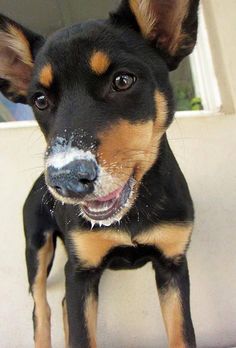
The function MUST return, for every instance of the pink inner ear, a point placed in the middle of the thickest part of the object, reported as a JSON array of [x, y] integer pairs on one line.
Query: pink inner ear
[[13, 69]]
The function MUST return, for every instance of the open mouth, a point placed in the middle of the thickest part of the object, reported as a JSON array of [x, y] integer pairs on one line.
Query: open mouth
[[107, 208]]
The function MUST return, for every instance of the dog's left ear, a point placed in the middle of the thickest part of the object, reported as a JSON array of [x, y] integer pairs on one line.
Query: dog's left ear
[[18, 48], [169, 25]]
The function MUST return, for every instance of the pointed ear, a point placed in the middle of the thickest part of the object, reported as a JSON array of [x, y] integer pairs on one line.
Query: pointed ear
[[18, 48], [170, 25]]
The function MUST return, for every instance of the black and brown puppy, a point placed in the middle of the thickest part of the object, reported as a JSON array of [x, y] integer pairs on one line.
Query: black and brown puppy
[[111, 189]]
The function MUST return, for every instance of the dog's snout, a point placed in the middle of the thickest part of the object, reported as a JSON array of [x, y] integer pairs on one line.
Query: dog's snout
[[74, 180]]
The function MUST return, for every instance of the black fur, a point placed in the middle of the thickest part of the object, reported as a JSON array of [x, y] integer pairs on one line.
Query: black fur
[[79, 100]]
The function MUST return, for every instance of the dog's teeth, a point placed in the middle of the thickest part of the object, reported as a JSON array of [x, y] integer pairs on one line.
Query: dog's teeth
[[102, 207], [92, 224]]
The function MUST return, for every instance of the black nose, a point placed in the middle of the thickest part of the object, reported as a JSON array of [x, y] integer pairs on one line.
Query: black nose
[[75, 180]]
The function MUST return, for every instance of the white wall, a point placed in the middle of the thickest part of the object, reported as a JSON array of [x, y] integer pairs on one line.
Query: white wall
[[129, 313], [221, 25]]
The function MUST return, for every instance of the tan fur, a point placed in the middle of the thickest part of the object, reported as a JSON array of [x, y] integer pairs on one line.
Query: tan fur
[[91, 319], [162, 20], [161, 112], [133, 147], [42, 310], [91, 247], [46, 75], [65, 323], [12, 89], [123, 145], [144, 15], [18, 43], [171, 239], [159, 128], [99, 62], [171, 19], [173, 317], [15, 60]]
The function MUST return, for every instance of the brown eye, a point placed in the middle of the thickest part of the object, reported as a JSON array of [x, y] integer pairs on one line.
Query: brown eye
[[41, 101], [123, 82]]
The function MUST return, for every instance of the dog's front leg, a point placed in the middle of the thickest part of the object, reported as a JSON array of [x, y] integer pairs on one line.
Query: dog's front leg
[[173, 287], [81, 302], [39, 261]]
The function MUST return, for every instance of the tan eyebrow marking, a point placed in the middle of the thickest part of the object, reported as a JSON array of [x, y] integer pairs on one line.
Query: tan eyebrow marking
[[46, 75], [99, 62]]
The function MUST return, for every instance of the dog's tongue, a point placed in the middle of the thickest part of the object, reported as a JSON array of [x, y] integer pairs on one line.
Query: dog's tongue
[[104, 203], [110, 196]]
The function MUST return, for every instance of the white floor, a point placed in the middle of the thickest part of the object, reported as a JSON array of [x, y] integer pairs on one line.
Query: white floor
[[129, 313]]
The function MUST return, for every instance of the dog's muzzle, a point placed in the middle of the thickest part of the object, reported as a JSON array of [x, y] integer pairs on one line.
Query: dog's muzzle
[[74, 177]]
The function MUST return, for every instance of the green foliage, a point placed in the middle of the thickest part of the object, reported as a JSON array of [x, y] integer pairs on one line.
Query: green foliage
[[196, 104], [185, 99]]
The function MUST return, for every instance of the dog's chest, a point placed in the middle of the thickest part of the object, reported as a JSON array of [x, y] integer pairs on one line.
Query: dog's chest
[[91, 247]]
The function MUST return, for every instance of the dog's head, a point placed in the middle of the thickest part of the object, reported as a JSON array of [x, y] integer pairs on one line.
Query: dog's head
[[101, 95]]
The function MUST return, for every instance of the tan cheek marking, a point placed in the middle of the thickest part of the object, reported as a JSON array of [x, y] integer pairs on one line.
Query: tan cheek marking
[[173, 317], [123, 145], [42, 310], [161, 113], [46, 75], [91, 318], [92, 247], [99, 62], [127, 146], [171, 239], [158, 130]]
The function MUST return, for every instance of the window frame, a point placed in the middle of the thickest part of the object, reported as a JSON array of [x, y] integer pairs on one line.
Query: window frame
[[204, 76]]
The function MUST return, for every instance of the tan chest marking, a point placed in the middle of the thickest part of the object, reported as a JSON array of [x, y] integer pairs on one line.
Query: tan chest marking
[[171, 239], [91, 247]]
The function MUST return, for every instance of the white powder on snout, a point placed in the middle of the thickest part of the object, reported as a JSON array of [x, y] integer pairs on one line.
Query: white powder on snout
[[61, 159]]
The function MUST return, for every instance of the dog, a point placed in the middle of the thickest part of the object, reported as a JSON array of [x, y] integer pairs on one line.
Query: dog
[[111, 189]]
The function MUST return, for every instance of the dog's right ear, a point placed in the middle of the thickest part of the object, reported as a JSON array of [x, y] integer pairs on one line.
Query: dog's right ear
[[18, 48], [168, 25]]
